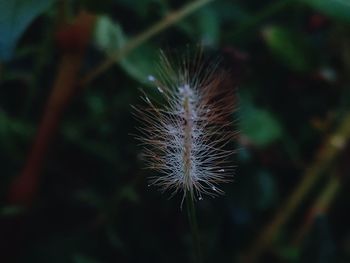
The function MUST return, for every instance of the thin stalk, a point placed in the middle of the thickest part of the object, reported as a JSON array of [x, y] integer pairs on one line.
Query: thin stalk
[[331, 149], [191, 212], [24, 188], [319, 207], [169, 20]]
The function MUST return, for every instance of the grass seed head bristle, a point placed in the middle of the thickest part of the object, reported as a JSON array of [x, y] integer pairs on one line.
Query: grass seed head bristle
[[185, 136]]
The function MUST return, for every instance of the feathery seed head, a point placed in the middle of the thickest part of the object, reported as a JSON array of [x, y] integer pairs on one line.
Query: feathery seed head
[[185, 136]]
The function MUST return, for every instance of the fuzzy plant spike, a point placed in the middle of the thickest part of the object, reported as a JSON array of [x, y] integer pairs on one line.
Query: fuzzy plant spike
[[186, 133]]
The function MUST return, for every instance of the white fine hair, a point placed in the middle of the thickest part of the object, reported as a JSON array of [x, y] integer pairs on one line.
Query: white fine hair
[[186, 135]]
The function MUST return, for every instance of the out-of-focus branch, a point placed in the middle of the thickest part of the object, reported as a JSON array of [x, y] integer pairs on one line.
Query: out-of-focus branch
[[73, 40], [320, 207], [135, 42], [325, 156]]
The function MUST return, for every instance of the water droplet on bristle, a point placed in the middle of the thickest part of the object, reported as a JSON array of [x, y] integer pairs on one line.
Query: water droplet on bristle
[[151, 78]]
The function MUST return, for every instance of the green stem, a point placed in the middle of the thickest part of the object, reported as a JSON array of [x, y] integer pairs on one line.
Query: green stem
[[327, 154], [191, 212], [169, 20]]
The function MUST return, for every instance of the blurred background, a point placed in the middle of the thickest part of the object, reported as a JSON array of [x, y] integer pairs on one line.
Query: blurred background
[[73, 184]]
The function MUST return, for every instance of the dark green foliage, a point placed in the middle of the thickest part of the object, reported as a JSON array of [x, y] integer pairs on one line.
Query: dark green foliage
[[15, 17]]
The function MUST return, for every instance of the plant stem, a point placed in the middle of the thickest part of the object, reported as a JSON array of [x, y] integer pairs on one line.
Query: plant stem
[[191, 212], [320, 207], [135, 42], [24, 187], [323, 159]]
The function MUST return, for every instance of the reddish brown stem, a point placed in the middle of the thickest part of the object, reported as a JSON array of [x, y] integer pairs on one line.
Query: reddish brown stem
[[73, 40]]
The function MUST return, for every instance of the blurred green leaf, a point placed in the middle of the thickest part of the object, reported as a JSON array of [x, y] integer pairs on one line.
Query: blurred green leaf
[[109, 37], [258, 125], [203, 26], [15, 17], [288, 47], [208, 26], [339, 9]]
